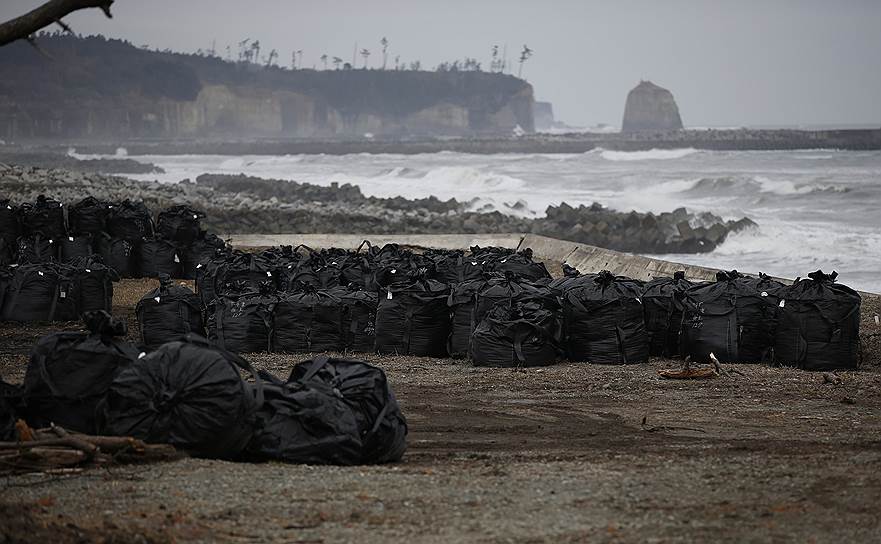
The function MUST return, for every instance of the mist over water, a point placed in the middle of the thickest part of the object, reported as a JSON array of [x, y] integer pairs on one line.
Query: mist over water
[[815, 209]]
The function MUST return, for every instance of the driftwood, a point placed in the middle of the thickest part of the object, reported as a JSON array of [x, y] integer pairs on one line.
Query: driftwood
[[50, 13], [50, 449]]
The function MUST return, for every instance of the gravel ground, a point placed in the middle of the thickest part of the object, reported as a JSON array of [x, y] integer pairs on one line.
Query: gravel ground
[[569, 453]]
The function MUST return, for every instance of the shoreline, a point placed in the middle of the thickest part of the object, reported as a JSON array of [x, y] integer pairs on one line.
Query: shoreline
[[704, 140]]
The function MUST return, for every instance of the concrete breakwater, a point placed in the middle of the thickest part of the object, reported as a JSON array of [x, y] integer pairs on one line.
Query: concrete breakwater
[[246, 205]]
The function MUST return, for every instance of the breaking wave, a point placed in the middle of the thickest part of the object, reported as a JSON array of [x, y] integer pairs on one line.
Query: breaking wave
[[650, 155]]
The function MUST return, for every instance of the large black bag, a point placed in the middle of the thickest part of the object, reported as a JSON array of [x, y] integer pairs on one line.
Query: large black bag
[[45, 216], [523, 333], [179, 223], [10, 229], [307, 423], [168, 313], [729, 318], [571, 278], [201, 252], [381, 424], [188, 394], [359, 318], [462, 302], [36, 248], [522, 265], [118, 254], [243, 272], [662, 304], [130, 221], [33, 294], [7, 252], [93, 282], [88, 216], [818, 324], [454, 267], [504, 288], [157, 256], [604, 321], [310, 320], [75, 247], [241, 323], [70, 372], [412, 318]]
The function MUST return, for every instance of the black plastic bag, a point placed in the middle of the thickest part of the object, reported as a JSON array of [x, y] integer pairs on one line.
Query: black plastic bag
[[36, 248], [662, 305], [70, 372], [188, 394], [730, 318], [118, 254], [504, 288], [522, 265], [93, 284], [517, 335], [306, 423], [45, 216], [604, 321], [819, 324], [10, 229], [88, 216], [412, 318], [129, 221], [8, 252], [180, 224], [168, 313], [462, 302], [206, 248], [365, 388], [38, 292], [310, 320], [359, 318], [241, 323], [76, 246], [158, 256]]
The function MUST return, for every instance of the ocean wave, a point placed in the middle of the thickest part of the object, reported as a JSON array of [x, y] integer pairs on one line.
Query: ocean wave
[[650, 155], [746, 185]]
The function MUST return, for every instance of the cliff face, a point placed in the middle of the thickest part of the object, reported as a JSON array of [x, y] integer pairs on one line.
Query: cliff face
[[97, 88], [650, 108]]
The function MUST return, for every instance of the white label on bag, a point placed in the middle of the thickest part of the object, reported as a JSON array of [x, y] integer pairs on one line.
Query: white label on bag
[[40, 273], [157, 299], [142, 355], [195, 216], [389, 295], [764, 293], [394, 270], [782, 303], [176, 258], [198, 266], [62, 294], [70, 238], [473, 263], [268, 273], [88, 271]]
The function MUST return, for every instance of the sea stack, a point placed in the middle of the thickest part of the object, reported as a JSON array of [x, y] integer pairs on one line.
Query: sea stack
[[650, 108]]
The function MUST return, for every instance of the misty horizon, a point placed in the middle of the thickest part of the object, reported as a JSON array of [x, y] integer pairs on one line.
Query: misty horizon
[[793, 64]]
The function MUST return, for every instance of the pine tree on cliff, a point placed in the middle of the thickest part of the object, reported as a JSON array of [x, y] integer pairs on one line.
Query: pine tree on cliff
[[26, 26]]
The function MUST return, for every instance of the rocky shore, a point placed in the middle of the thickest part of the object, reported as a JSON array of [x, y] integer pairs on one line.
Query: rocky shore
[[242, 204]]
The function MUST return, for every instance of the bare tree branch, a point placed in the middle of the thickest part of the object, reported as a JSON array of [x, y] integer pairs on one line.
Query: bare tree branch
[[21, 28]]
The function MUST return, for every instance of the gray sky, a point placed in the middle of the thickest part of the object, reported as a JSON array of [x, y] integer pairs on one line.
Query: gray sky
[[728, 63]]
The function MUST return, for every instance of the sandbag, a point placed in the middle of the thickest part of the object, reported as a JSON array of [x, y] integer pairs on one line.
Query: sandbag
[[38, 292], [359, 318], [818, 324], [94, 284], [571, 278], [311, 320], [462, 303], [502, 288], [36, 248], [365, 389], [662, 306], [412, 318], [188, 394], [604, 321], [453, 266], [70, 372], [524, 333], [522, 265], [88, 216], [244, 272], [10, 228], [355, 268], [730, 318], [157, 256], [241, 323], [129, 221], [200, 252], [180, 224], [8, 251], [45, 216], [168, 313], [75, 247], [118, 254]]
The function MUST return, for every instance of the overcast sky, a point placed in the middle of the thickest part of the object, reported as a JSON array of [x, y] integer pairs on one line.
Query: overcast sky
[[728, 63]]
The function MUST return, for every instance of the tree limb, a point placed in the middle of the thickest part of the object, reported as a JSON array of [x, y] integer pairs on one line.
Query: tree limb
[[49, 13]]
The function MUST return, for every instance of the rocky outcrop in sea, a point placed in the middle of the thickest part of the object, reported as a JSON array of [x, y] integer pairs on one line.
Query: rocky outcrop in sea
[[650, 108], [244, 205]]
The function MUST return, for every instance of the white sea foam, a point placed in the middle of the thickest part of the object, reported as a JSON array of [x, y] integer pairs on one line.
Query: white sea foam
[[650, 155]]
